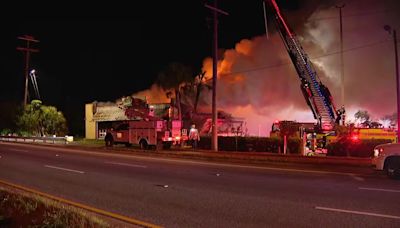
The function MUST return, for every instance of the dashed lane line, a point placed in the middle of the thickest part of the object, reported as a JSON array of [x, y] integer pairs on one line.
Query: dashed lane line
[[126, 164], [380, 189], [358, 212], [64, 169], [18, 150], [196, 162]]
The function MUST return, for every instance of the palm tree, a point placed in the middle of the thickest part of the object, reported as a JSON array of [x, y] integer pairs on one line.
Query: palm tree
[[173, 78], [200, 83]]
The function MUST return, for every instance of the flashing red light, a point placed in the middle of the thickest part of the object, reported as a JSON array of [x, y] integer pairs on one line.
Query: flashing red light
[[276, 121], [354, 138]]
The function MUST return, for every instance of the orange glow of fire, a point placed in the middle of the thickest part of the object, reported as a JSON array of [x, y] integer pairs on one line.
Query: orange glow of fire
[[154, 95]]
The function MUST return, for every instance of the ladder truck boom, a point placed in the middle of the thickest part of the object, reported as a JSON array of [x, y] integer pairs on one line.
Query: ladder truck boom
[[317, 95]]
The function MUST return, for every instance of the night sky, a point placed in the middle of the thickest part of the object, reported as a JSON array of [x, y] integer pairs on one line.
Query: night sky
[[109, 51], [103, 51]]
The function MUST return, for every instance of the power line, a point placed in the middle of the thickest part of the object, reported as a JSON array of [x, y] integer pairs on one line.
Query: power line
[[286, 63], [352, 15]]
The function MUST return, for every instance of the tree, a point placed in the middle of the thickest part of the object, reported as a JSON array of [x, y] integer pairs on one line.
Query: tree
[[363, 116], [40, 120], [200, 83], [174, 77], [392, 119]]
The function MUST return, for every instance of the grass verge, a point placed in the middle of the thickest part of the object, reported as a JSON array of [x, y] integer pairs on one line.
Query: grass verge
[[88, 142], [19, 209]]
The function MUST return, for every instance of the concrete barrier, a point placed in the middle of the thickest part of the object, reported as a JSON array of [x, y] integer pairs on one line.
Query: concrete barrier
[[52, 140]]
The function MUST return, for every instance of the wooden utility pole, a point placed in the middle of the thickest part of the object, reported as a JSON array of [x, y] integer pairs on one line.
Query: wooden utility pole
[[27, 50], [341, 59], [214, 139], [392, 31]]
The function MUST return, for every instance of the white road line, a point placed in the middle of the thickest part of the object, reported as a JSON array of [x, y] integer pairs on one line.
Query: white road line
[[357, 178], [260, 167], [380, 189], [69, 170], [19, 150], [102, 154], [358, 212], [126, 164]]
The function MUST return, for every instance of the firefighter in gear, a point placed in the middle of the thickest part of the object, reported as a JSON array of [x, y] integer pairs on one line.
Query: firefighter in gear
[[194, 136]]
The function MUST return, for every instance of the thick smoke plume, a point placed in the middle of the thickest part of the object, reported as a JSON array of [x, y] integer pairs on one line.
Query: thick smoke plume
[[257, 80]]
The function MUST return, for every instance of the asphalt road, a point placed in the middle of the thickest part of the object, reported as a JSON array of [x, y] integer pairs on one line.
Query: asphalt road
[[181, 193]]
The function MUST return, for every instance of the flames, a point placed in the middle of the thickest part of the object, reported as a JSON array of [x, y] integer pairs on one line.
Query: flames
[[257, 81], [155, 94]]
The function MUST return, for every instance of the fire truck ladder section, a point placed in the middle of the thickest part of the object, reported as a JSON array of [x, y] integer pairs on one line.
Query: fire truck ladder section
[[316, 94]]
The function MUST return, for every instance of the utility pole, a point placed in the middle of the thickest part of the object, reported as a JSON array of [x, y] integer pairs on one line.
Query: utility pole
[[214, 140], [27, 51], [341, 57], [393, 31]]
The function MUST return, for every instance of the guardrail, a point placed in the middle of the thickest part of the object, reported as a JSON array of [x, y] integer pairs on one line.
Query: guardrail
[[52, 140]]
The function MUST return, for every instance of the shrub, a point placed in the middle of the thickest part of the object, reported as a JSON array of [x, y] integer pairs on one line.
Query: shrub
[[5, 131], [252, 144], [26, 210], [362, 148]]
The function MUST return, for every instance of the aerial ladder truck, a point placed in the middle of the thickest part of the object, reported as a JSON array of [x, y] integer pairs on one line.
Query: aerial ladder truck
[[317, 95]]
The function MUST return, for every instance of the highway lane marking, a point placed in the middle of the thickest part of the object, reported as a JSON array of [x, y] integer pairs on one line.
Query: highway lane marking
[[103, 154], [18, 150], [82, 206], [357, 178], [358, 212], [380, 189], [64, 169], [259, 167], [126, 164]]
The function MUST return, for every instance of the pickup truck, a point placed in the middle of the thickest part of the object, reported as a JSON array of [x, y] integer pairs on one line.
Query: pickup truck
[[387, 158]]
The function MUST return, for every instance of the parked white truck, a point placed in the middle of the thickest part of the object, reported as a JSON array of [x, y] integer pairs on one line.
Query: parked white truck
[[387, 158]]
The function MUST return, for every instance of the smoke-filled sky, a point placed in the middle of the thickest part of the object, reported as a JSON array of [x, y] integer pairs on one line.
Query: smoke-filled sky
[[258, 82], [264, 95], [107, 51]]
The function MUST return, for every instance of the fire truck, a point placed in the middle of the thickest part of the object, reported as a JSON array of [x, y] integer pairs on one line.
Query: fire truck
[[316, 94], [145, 129], [318, 98], [145, 133]]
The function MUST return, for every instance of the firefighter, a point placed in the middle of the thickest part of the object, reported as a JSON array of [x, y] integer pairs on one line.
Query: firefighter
[[194, 136]]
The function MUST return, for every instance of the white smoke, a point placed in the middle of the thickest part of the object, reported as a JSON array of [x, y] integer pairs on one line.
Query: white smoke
[[258, 82]]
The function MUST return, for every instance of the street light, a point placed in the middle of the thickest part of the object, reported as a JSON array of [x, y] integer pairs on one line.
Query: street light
[[393, 31], [32, 74]]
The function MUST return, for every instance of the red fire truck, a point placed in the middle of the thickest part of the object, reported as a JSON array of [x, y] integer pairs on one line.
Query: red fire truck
[[159, 134], [145, 129]]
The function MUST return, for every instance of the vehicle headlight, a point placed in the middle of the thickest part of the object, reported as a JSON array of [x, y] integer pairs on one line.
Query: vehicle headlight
[[376, 152]]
